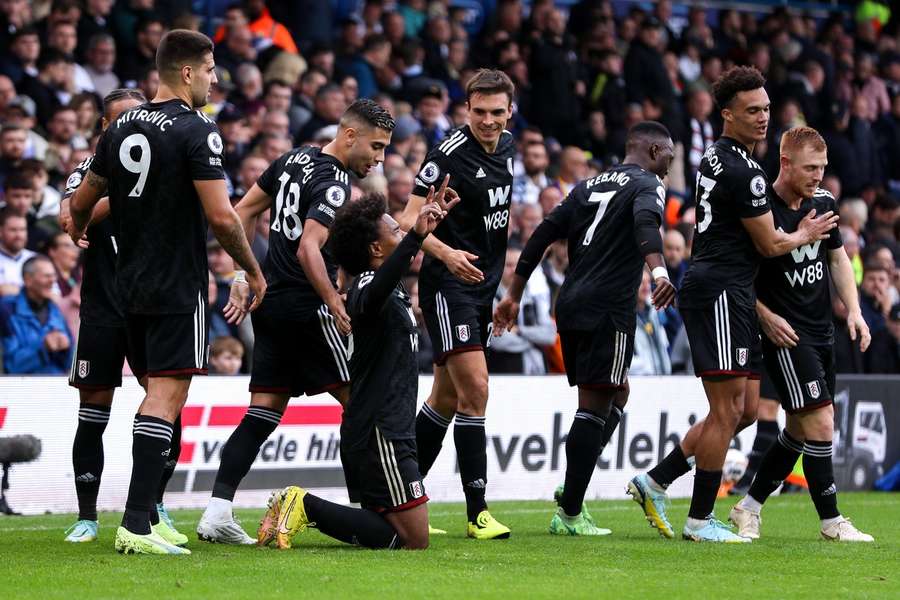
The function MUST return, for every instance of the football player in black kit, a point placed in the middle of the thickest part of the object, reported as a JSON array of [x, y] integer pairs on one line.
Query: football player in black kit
[[457, 282], [734, 229], [794, 307], [612, 225], [304, 320], [378, 438], [101, 351], [161, 165]]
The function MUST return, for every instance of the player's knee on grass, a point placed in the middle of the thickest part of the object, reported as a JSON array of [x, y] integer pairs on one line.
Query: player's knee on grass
[[411, 526], [817, 424]]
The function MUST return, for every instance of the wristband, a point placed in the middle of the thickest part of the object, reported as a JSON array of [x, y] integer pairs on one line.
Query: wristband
[[240, 277], [658, 272]]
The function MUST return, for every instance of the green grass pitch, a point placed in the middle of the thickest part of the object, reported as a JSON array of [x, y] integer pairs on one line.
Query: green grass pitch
[[789, 562]]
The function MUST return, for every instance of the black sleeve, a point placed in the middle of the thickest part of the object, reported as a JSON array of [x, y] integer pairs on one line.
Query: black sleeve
[[648, 216], [204, 149], [749, 191], [373, 290], [269, 177], [546, 233], [434, 168], [835, 240], [326, 197], [98, 165], [76, 177]]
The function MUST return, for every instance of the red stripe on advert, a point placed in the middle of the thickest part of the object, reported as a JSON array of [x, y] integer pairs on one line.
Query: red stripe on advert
[[223, 416], [187, 452], [2, 416], [191, 415]]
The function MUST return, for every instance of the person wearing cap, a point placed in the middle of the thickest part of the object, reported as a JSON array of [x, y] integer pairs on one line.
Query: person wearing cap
[[430, 112], [21, 113]]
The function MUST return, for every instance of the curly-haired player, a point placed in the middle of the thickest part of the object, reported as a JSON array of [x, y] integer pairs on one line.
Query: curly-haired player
[[378, 435]]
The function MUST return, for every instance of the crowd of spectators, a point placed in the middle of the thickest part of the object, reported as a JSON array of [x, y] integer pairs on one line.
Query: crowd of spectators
[[584, 74]]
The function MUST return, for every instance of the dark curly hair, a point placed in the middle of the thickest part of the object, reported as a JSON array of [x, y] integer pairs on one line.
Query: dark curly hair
[[369, 112], [733, 81], [354, 228]]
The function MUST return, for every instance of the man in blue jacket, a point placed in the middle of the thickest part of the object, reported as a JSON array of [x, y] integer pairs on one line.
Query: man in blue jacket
[[36, 339]]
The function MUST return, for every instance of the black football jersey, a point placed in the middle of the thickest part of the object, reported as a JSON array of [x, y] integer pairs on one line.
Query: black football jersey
[[151, 157], [99, 295], [384, 374], [479, 223], [605, 262], [304, 183], [730, 186], [796, 285]]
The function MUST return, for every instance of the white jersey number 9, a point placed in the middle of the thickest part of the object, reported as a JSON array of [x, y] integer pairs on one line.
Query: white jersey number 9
[[141, 166]]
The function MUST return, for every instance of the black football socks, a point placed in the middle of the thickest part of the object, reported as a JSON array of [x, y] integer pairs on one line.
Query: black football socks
[[87, 457], [241, 449], [583, 446]]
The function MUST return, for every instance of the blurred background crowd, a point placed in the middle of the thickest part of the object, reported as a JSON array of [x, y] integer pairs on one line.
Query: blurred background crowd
[[584, 70]]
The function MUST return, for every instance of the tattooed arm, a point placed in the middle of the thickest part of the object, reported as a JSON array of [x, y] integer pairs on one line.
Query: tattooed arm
[[82, 205], [228, 229]]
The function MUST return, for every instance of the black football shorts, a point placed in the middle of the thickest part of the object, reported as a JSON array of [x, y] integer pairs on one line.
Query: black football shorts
[[169, 345], [724, 339], [599, 358], [297, 356], [455, 326], [803, 375], [384, 477], [99, 356]]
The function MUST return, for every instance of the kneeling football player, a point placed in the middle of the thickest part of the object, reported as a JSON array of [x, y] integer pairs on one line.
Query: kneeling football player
[[378, 437]]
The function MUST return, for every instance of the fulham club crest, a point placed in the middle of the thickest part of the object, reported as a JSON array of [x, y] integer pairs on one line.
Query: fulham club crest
[[813, 388], [742, 356], [415, 488], [462, 332], [84, 367]]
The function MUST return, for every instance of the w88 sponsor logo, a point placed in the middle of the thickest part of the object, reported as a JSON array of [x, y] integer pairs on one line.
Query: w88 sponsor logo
[[807, 275], [496, 220]]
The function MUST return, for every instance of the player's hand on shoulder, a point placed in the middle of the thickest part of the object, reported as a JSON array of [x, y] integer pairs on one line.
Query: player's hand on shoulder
[[818, 228], [664, 294], [506, 315], [778, 330]]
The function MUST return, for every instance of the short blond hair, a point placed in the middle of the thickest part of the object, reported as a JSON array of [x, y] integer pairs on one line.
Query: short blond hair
[[799, 137]]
